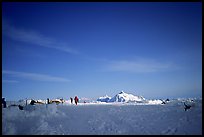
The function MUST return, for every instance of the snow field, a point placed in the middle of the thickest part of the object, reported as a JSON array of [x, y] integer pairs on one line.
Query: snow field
[[103, 119]]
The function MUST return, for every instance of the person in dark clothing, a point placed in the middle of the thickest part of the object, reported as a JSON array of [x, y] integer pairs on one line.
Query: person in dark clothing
[[71, 100], [76, 100], [26, 102], [186, 106], [4, 102], [48, 101], [20, 107], [32, 102]]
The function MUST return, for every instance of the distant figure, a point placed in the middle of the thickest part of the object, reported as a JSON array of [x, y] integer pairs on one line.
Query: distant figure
[[76, 100], [186, 106], [71, 100], [20, 107], [62, 100], [84, 101], [48, 101], [26, 102], [4, 102], [32, 102]]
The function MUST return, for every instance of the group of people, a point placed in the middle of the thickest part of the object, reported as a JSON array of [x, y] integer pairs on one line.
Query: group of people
[[76, 100]]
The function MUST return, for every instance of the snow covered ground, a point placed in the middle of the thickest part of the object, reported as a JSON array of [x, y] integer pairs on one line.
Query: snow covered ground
[[102, 118]]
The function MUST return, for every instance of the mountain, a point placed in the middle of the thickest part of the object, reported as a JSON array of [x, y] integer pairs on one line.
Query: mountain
[[105, 98], [125, 97], [122, 97]]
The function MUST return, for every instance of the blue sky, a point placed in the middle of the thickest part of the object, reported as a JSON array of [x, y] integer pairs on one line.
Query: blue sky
[[93, 49]]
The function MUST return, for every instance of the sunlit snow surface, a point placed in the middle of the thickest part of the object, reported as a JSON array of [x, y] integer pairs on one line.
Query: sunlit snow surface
[[104, 119]]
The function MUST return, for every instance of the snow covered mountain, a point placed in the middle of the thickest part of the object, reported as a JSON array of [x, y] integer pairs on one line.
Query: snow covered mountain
[[125, 97], [105, 98], [122, 97]]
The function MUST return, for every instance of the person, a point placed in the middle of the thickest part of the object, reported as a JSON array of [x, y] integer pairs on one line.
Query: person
[[48, 101], [32, 102], [76, 100], [71, 100], [62, 100], [186, 106], [4, 102], [20, 107], [26, 102]]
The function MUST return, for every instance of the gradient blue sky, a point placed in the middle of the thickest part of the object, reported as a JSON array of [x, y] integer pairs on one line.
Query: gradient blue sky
[[93, 49]]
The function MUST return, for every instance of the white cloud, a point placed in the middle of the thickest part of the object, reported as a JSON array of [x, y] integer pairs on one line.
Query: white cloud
[[32, 37], [137, 66], [35, 76]]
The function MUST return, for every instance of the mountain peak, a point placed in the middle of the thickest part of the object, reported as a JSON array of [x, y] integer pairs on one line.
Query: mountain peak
[[122, 92], [122, 97]]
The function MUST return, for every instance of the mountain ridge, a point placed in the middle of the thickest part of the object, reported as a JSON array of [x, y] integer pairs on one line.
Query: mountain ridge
[[122, 97]]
